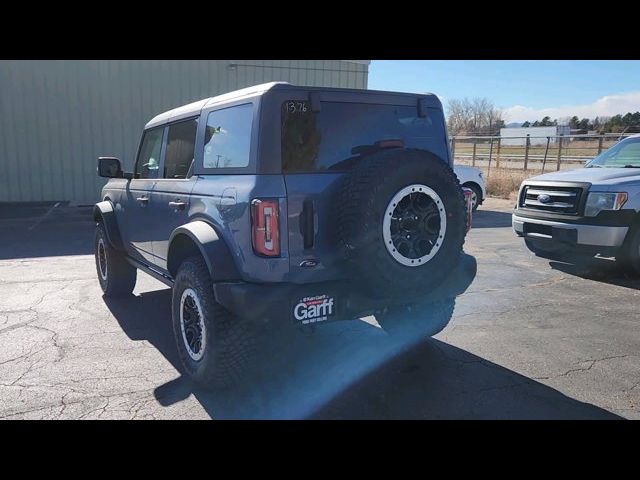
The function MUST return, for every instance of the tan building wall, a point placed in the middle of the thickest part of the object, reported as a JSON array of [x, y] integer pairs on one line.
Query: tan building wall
[[57, 117]]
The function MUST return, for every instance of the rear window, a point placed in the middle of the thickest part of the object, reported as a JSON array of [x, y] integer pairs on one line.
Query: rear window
[[340, 133], [227, 141]]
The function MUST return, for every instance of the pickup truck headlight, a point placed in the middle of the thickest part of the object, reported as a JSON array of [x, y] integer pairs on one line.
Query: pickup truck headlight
[[596, 202]]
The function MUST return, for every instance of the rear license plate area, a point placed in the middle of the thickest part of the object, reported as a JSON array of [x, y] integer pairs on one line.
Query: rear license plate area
[[311, 309]]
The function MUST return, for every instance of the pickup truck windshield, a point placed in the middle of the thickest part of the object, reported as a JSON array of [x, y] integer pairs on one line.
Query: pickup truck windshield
[[623, 154]]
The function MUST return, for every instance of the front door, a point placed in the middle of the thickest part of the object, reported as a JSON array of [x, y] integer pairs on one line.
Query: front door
[[170, 198], [136, 202]]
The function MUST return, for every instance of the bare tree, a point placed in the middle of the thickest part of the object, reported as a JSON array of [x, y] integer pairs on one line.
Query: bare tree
[[473, 117], [458, 115], [493, 120]]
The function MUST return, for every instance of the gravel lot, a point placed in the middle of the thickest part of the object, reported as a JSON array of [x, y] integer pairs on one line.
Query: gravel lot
[[529, 338]]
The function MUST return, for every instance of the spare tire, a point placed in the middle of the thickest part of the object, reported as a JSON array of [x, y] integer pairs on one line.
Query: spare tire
[[401, 221]]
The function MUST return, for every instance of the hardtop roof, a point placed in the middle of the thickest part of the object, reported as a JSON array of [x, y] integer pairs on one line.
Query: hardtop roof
[[194, 108]]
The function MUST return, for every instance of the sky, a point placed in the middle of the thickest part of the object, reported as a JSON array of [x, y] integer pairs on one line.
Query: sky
[[523, 89]]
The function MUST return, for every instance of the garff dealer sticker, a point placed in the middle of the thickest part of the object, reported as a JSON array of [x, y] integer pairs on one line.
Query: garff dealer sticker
[[313, 309]]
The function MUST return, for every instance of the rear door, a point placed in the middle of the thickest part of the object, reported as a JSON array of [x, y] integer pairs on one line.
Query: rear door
[[226, 165], [319, 147]]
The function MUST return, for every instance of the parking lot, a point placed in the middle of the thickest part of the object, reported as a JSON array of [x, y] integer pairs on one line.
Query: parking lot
[[529, 338]]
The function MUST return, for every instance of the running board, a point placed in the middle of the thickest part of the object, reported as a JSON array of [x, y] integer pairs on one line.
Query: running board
[[164, 278]]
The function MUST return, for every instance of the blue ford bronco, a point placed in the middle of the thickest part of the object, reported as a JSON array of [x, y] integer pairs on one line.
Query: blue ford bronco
[[282, 203]]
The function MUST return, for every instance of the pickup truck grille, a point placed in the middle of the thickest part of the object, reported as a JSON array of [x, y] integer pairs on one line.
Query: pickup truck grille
[[551, 199]]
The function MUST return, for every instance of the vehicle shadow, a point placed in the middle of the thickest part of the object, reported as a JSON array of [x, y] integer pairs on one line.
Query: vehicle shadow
[[354, 369], [435, 380], [604, 270], [490, 219], [45, 230]]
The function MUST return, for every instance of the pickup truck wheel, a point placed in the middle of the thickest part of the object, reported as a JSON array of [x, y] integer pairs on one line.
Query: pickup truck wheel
[[214, 345], [556, 253], [539, 251], [117, 277], [417, 319], [629, 256], [476, 196], [401, 221]]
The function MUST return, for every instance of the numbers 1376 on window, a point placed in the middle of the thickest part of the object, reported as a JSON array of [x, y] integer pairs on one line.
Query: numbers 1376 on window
[[296, 106]]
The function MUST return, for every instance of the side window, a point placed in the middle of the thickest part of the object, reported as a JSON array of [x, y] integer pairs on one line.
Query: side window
[[227, 140], [180, 148], [148, 161]]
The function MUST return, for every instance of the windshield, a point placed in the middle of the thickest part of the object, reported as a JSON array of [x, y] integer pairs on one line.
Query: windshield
[[623, 154]]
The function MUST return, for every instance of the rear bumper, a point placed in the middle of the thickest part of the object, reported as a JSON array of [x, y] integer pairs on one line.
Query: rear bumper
[[571, 234], [284, 303]]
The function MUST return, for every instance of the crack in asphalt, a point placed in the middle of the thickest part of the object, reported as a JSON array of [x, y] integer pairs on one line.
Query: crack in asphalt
[[45, 280], [54, 339], [591, 363], [634, 386], [24, 355], [15, 326], [102, 409], [527, 285], [65, 404], [501, 312]]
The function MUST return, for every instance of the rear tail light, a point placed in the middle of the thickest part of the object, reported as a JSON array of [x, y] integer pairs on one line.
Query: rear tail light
[[265, 227]]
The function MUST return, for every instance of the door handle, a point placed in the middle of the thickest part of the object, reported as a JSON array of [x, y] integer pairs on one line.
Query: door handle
[[143, 200], [177, 205]]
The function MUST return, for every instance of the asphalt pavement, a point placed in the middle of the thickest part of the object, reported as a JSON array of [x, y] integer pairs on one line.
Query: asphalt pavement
[[528, 338]]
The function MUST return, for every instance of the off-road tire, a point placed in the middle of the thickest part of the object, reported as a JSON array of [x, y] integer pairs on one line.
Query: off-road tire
[[362, 200], [419, 319], [117, 277], [229, 342]]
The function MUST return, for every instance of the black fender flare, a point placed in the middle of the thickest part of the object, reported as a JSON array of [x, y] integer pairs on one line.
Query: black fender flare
[[105, 213], [213, 249]]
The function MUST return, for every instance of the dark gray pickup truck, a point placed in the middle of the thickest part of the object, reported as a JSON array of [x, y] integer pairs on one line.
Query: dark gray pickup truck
[[280, 203]]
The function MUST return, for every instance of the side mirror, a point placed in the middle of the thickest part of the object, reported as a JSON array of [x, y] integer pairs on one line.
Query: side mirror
[[109, 167]]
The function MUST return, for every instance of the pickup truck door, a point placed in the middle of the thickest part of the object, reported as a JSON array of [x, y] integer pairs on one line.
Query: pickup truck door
[[170, 198], [136, 203]]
